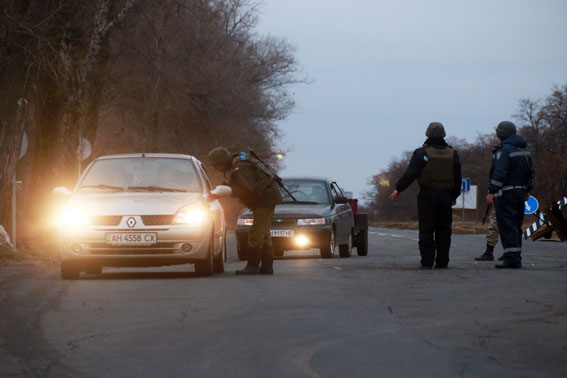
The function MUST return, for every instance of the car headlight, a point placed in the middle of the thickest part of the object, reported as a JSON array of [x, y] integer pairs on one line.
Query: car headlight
[[191, 215], [310, 221], [245, 221], [73, 217]]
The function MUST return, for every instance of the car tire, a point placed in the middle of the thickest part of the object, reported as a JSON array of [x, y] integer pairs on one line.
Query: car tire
[[241, 253], [345, 249], [69, 270], [328, 249], [218, 261], [278, 252], [362, 243], [205, 268]]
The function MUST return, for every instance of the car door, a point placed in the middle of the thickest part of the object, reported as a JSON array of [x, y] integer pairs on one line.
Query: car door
[[343, 215]]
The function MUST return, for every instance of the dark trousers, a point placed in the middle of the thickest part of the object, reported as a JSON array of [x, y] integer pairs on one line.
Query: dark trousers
[[434, 210], [509, 216]]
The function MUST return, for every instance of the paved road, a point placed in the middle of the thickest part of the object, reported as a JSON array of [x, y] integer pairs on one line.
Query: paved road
[[359, 317]]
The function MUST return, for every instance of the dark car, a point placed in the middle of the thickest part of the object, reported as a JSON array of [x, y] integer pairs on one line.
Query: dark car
[[320, 218]]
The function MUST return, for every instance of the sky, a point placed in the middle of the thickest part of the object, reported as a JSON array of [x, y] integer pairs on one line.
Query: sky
[[380, 71]]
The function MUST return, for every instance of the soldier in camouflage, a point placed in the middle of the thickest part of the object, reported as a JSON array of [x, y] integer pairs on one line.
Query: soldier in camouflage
[[491, 237], [255, 186]]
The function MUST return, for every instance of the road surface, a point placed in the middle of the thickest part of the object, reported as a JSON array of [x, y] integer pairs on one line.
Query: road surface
[[356, 317]]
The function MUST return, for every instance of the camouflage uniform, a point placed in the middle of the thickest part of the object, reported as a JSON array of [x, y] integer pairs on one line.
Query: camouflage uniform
[[254, 185], [492, 235]]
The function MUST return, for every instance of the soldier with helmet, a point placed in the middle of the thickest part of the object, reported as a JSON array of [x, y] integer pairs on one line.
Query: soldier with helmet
[[438, 170], [254, 185], [511, 180]]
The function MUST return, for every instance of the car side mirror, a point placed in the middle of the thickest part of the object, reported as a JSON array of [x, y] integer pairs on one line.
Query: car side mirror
[[341, 200], [222, 191], [61, 190]]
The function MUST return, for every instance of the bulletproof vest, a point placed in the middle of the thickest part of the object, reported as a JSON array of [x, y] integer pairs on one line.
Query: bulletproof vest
[[438, 171], [255, 163]]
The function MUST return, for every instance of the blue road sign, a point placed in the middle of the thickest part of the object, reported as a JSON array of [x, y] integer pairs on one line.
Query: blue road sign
[[531, 205], [466, 185]]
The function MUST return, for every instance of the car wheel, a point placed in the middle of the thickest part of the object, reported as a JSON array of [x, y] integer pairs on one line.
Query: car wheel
[[362, 243], [218, 261], [278, 252], [328, 249], [69, 270], [344, 249], [241, 253], [205, 268]]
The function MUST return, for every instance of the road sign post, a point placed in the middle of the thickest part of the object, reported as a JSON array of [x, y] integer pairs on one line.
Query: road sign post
[[465, 187]]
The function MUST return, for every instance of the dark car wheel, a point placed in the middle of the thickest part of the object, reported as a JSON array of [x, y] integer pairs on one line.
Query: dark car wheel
[[218, 261], [362, 243], [328, 249], [69, 270], [344, 249], [205, 268], [241, 252]]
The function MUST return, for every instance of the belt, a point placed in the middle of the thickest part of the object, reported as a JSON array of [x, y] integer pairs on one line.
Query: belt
[[510, 187]]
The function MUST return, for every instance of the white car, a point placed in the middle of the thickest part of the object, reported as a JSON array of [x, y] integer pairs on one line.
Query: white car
[[142, 210]]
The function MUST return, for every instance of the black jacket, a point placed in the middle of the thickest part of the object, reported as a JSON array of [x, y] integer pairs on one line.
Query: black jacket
[[511, 165], [418, 162]]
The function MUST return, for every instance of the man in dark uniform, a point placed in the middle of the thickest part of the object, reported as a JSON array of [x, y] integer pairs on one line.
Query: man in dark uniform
[[511, 179], [255, 186], [438, 170]]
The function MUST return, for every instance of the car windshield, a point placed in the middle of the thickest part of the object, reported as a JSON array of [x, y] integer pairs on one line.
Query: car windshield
[[305, 191], [147, 174]]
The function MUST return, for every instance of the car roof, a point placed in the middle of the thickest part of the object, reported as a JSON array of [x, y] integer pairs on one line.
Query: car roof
[[147, 155], [310, 178]]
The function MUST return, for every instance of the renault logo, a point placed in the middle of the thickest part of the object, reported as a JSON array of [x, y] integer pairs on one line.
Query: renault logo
[[131, 222]]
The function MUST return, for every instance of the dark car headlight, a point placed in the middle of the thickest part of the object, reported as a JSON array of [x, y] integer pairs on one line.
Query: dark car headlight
[[310, 221]]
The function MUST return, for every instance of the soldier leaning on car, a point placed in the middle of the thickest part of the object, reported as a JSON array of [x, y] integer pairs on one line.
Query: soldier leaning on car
[[255, 186]]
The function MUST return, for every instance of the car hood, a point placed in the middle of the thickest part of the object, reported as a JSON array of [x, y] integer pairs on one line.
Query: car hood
[[294, 210], [129, 203]]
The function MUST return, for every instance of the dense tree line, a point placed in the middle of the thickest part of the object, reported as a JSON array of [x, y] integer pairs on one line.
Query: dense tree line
[[176, 76], [543, 123]]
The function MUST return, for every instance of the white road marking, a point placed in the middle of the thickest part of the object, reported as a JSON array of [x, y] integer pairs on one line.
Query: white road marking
[[337, 268]]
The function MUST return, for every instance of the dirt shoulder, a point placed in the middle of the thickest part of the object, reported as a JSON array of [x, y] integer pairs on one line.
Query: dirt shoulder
[[461, 228]]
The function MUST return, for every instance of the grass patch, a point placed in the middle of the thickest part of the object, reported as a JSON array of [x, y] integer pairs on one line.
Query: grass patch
[[9, 254]]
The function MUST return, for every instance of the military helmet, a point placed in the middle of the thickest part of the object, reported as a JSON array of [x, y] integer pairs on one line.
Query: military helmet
[[435, 130], [219, 156], [505, 129]]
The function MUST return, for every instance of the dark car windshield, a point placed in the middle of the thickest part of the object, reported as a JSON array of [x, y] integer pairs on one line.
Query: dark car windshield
[[148, 174], [306, 191]]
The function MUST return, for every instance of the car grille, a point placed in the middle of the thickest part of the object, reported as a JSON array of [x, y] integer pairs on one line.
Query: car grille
[[156, 220], [108, 220], [165, 248], [284, 222]]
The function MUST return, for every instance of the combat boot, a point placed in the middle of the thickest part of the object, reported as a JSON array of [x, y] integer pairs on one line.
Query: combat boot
[[487, 255], [267, 266], [508, 264], [254, 255]]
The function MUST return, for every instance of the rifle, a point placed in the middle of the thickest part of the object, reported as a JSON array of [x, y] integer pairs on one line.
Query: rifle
[[488, 206], [277, 178]]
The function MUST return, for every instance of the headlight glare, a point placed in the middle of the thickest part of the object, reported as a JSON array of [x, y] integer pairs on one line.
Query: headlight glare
[[73, 217], [190, 215], [310, 221]]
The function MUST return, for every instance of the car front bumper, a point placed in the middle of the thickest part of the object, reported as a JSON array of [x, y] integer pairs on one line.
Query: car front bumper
[[89, 244], [315, 237]]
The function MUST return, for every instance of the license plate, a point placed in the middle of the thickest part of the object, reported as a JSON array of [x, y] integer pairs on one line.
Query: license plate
[[280, 233], [131, 238]]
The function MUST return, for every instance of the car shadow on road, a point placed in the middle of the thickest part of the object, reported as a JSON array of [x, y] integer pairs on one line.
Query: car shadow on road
[[139, 275]]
